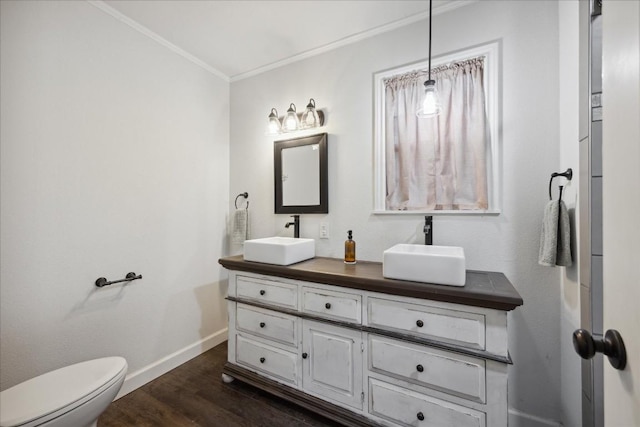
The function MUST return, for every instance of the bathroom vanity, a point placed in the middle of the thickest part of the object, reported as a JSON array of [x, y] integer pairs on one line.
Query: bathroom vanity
[[343, 341]]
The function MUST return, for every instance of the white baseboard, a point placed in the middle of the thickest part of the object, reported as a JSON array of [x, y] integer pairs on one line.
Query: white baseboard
[[521, 419], [150, 372]]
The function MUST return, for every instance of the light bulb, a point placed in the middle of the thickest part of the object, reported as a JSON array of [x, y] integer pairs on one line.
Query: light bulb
[[430, 103], [274, 127], [291, 121]]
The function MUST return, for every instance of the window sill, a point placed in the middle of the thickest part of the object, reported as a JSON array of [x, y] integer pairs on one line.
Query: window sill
[[487, 212]]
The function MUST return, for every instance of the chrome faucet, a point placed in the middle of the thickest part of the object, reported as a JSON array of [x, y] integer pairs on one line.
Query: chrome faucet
[[428, 230], [296, 225]]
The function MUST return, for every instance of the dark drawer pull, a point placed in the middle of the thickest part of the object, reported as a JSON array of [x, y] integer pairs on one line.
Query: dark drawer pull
[[305, 355], [327, 305], [419, 368], [420, 416], [420, 323], [262, 324], [262, 291], [262, 360]]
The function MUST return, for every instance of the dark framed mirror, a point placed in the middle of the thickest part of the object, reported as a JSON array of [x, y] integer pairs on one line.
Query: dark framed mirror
[[301, 175]]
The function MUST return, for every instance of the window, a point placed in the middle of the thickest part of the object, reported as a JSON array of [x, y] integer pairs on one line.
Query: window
[[445, 164]]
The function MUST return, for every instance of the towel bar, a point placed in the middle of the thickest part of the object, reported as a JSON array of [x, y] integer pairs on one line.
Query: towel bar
[[100, 282]]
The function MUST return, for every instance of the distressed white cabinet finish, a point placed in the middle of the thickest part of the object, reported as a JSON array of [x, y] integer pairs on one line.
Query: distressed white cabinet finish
[[407, 408], [451, 326], [452, 373], [333, 365], [363, 350]]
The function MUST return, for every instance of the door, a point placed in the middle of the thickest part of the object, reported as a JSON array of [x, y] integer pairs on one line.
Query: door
[[332, 362], [621, 204]]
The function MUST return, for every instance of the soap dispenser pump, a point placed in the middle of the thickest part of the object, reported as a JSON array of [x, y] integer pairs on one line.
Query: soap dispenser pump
[[349, 249]]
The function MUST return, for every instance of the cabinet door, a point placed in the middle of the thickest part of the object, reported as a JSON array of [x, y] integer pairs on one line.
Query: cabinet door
[[332, 363]]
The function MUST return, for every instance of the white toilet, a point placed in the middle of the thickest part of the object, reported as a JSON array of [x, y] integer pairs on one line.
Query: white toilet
[[73, 396]]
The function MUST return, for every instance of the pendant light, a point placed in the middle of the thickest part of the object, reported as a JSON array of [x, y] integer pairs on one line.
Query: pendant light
[[430, 105]]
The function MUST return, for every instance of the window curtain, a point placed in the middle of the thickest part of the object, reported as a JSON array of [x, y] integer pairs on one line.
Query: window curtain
[[438, 163]]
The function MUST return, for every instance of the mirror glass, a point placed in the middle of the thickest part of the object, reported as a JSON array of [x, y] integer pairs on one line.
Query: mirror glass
[[300, 177]]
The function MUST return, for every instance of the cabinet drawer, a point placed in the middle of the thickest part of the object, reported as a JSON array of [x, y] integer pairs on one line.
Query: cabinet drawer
[[408, 408], [452, 373], [267, 291], [268, 324], [451, 326], [331, 304], [269, 360]]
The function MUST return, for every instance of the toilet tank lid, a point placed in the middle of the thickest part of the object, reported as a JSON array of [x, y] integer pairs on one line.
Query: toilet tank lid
[[55, 390]]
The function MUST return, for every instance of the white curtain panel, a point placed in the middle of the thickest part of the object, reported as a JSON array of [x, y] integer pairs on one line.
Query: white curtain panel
[[437, 163]]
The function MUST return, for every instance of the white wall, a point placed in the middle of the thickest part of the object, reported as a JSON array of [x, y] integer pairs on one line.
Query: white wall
[[114, 158], [342, 85]]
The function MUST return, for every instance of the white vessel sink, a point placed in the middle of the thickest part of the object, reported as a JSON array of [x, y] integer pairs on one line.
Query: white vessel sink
[[279, 250], [442, 265]]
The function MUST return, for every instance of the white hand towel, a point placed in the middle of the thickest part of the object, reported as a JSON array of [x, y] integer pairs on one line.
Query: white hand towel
[[549, 235], [555, 239], [240, 229]]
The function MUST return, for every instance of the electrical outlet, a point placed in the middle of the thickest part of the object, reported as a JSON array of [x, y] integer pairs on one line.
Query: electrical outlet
[[324, 230]]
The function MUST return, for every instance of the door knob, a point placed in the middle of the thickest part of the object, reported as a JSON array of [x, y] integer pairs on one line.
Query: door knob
[[611, 346]]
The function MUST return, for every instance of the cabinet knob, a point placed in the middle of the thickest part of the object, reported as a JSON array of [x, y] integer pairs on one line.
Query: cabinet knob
[[262, 360], [420, 416], [262, 292], [420, 323], [327, 305], [420, 368], [305, 355], [262, 324]]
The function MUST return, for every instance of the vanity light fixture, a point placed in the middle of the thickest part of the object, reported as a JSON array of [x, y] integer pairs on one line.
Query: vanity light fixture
[[310, 118], [274, 122], [430, 106], [292, 121]]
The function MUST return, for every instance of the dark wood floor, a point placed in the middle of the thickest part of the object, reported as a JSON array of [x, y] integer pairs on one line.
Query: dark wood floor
[[194, 395]]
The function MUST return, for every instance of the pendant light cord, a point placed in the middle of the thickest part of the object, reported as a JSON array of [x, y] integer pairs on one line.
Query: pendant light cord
[[430, 3]]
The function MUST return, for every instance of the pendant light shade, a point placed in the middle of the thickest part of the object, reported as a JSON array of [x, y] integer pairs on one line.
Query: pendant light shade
[[274, 123], [430, 103], [310, 117], [291, 121]]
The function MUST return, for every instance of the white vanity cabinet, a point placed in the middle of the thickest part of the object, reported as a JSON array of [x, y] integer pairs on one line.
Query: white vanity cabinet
[[345, 342]]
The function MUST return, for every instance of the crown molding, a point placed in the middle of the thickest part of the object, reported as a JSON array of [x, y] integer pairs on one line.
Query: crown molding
[[157, 38], [442, 8]]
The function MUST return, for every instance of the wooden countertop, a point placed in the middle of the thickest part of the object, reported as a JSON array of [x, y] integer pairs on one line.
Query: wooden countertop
[[482, 288]]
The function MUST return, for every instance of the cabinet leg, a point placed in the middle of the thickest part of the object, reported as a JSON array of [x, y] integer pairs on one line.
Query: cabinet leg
[[227, 379]]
